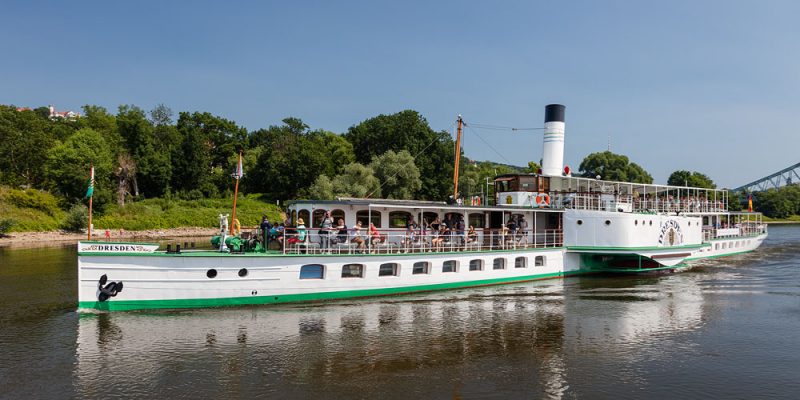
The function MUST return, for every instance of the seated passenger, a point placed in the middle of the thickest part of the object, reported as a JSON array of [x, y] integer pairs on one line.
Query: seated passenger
[[341, 234], [472, 236], [300, 236], [374, 235], [357, 238]]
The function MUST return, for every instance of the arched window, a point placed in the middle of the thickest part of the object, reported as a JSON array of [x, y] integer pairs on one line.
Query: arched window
[[317, 220], [389, 269], [477, 220], [312, 271], [429, 216], [499, 263], [304, 214], [365, 215], [398, 219], [421, 267], [353, 271], [337, 214]]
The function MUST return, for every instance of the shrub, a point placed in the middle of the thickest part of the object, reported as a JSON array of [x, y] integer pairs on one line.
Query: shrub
[[32, 198], [77, 218], [5, 226]]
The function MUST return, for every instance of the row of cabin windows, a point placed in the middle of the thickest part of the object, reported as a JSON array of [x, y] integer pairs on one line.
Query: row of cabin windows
[[317, 271], [397, 219]]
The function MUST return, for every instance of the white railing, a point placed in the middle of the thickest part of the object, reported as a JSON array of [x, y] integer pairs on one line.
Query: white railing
[[402, 241], [627, 203]]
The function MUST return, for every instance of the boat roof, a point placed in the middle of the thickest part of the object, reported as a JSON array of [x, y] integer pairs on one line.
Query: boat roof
[[593, 183], [416, 204]]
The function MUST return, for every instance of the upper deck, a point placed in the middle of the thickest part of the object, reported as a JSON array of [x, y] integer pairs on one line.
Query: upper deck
[[567, 192]]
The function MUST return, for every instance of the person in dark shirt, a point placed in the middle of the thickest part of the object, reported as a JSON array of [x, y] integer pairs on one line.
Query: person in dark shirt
[[265, 228], [341, 234]]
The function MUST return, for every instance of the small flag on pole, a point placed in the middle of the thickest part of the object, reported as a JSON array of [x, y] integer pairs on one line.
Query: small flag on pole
[[750, 203], [90, 189], [239, 170]]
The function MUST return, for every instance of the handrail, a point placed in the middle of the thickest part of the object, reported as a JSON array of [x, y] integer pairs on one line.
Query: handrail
[[394, 240]]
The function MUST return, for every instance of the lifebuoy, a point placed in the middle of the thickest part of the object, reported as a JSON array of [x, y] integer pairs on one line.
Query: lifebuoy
[[543, 199]]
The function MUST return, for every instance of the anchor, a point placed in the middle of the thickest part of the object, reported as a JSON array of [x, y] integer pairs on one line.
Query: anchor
[[108, 290]]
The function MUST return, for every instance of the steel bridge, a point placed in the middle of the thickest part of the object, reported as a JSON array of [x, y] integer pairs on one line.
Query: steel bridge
[[784, 177]]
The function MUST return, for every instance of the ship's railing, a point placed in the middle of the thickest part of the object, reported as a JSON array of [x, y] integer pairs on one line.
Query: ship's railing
[[747, 229], [417, 241], [598, 201]]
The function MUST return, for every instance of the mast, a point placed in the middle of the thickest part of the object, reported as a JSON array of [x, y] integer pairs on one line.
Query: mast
[[458, 158], [238, 174], [90, 193]]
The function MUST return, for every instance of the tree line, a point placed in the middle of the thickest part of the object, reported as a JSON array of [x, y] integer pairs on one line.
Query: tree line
[[145, 154]]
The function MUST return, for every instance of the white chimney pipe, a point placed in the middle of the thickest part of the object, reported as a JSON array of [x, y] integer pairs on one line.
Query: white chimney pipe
[[553, 149]]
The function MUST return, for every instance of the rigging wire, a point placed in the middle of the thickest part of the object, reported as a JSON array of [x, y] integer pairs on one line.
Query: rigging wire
[[469, 126], [435, 139], [500, 127]]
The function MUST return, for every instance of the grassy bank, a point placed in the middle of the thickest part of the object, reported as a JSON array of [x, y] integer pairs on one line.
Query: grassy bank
[[794, 219], [38, 211]]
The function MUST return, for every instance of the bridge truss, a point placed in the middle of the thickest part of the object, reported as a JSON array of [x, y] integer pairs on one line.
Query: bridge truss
[[784, 177]]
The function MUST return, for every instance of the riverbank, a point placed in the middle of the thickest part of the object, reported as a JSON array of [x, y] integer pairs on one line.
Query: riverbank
[[62, 238]]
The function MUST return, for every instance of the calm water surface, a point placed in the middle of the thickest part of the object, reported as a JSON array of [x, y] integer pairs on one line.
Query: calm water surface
[[729, 328]]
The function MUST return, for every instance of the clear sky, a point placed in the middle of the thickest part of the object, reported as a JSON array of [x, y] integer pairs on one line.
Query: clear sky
[[712, 86]]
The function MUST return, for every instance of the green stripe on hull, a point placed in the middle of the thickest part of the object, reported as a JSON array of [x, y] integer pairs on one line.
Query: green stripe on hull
[[122, 305]]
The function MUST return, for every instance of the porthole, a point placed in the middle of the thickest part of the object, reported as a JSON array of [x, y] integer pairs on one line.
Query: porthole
[[243, 272], [211, 274], [608, 222], [580, 222], [651, 223], [636, 222]]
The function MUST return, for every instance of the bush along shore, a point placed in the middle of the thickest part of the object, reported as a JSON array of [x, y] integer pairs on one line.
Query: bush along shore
[[33, 215]]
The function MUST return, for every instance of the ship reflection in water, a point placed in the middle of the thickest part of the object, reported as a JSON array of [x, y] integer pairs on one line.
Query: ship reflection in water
[[526, 340]]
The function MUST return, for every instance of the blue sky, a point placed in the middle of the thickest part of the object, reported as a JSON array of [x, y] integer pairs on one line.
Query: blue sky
[[712, 86]]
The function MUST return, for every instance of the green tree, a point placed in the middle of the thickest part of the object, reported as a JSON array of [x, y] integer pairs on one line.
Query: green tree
[[407, 130], [98, 119], [357, 180], [778, 203], [25, 138], [207, 144], [691, 179], [68, 164], [613, 167], [321, 189], [292, 157], [398, 175]]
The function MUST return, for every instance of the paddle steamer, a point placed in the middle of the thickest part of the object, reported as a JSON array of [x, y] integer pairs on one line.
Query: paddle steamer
[[573, 225]]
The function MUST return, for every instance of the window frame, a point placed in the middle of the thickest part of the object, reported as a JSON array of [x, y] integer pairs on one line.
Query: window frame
[[395, 269], [502, 263], [479, 264], [364, 216], [453, 269], [425, 271], [322, 272], [362, 268], [524, 262]]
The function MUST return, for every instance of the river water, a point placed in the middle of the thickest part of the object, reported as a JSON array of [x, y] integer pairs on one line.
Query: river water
[[729, 328]]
